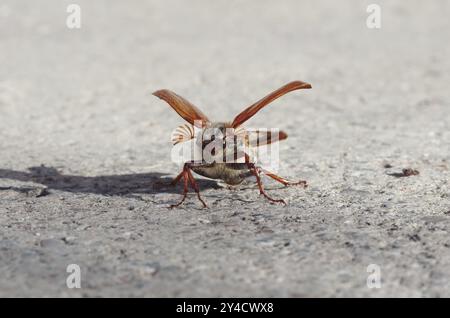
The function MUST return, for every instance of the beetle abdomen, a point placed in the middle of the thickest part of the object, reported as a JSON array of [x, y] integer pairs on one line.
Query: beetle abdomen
[[230, 173]]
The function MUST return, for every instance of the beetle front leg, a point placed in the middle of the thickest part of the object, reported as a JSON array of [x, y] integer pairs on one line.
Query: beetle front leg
[[187, 178], [185, 189], [196, 188], [177, 179], [255, 172]]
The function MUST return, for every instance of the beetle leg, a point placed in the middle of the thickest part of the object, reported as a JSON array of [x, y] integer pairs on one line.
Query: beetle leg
[[177, 179], [185, 189], [284, 181], [195, 186], [187, 178], [255, 172]]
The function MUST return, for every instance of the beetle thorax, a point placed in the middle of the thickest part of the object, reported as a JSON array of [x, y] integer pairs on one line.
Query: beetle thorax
[[219, 143]]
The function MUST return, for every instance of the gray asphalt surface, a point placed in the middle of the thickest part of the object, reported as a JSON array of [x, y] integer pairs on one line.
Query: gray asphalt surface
[[85, 148]]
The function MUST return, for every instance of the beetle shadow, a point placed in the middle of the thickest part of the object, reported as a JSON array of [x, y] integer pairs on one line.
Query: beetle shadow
[[108, 185]]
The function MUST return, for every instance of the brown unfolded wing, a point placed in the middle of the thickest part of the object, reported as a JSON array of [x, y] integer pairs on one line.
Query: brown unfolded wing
[[257, 138], [253, 109], [185, 109]]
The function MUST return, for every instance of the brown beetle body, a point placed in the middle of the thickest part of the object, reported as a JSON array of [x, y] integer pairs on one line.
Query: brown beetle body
[[233, 172]]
